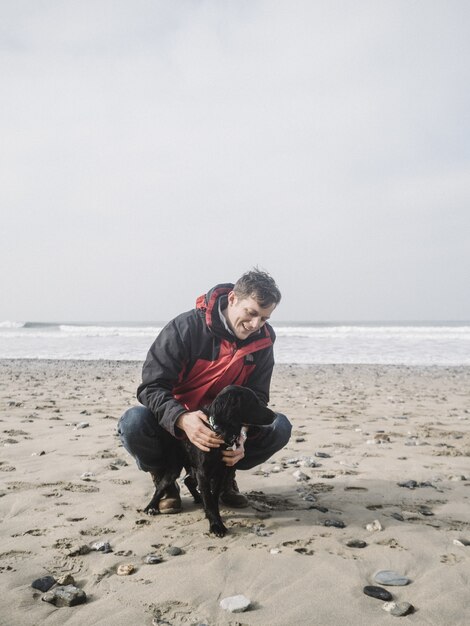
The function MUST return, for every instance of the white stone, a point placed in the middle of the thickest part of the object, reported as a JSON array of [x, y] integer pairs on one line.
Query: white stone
[[235, 604], [299, 476], [461, 542], [374, 526]]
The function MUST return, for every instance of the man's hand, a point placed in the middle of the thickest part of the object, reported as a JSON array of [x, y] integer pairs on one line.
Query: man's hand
[[231, 457], [194, 425]]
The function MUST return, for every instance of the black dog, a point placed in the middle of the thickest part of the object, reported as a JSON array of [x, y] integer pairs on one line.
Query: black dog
[[233, 407]]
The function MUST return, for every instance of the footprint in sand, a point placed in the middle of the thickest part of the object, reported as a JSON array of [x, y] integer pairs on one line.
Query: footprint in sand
[[450, 559], [175, 613]]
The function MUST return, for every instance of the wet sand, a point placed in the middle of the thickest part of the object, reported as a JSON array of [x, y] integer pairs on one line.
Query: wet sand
[[63, 486]]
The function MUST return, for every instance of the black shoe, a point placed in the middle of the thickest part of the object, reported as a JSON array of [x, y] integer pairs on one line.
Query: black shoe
[[231, 495]]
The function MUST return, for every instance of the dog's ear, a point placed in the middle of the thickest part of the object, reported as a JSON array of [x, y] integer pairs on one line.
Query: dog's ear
[[260, 416]]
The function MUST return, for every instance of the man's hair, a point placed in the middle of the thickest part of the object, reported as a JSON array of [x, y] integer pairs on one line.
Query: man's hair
[[258, 285]]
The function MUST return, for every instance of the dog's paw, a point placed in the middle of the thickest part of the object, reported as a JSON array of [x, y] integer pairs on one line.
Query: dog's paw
[[150, 510], [218, 529]]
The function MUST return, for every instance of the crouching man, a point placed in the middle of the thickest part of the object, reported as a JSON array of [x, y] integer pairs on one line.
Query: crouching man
[[224, 340]]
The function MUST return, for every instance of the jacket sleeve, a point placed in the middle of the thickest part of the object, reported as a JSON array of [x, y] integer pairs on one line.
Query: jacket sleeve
[[162, 369]]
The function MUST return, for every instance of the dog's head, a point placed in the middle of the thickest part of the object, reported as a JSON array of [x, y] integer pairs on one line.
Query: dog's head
[[234, 407]]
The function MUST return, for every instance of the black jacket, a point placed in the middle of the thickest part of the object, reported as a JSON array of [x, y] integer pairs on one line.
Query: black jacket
[[194, 357]]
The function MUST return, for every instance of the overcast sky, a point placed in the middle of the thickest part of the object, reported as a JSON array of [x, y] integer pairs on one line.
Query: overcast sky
[[151, 149]]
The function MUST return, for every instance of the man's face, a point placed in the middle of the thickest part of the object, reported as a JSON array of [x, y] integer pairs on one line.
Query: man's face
[[245, 316]]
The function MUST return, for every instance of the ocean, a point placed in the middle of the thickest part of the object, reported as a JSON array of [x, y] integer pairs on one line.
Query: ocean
[[404, 343]]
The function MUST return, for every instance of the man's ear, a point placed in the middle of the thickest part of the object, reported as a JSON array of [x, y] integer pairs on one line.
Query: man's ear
[[261, 416], [231, 297]]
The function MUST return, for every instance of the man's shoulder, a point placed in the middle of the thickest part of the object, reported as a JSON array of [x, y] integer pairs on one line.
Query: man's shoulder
[[188, 322]]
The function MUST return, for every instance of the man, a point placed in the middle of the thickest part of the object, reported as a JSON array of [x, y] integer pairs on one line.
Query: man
[[225, 340]]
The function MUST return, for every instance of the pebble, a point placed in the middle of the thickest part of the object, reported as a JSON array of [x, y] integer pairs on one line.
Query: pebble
[[82, 425], [300, 476], [87, 475], [322, 455], [152, 559], [317, 507], [44, 583], [65, 596], [356, 543], [274, 551], [414, 442], [389, 577], [79, 550], [461, 542], [102, 546], [308, 461], [413, 484], [302, 461], [174, 551], [398, 608], [424, 510], [374, 526], [457, 477], [235, 604], [378, 592], [336, 523], [261, 531], [125, 569], [381, 438], [409, 484], [66, 579]]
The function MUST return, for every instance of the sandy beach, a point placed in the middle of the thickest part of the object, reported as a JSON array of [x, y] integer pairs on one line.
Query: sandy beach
[[358, 431]]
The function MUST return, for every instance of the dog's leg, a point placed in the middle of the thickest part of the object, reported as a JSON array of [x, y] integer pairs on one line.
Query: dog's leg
[[225, 477], [191, 485], [166, 481], [211, 506]]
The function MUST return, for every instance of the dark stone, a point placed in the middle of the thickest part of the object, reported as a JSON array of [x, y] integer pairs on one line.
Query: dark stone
[[398, 516], [424, 510], [378, 592], [409, 484], [413, 484], [44, 583], [356, 543], [153, 559], [174, 551], [322, 455], [322, 509], [334, 522]]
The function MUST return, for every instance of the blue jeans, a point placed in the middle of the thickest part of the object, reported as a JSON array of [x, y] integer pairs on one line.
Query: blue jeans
[[139, 433]]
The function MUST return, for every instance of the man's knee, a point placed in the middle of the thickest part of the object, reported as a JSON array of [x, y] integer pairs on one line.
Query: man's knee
[[283, 429], [135, 423]]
